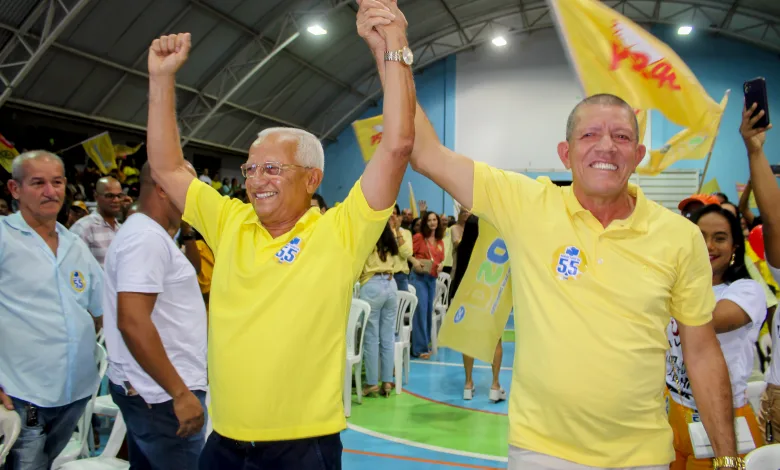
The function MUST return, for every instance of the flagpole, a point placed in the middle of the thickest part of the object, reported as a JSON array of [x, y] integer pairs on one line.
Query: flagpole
[[712, 147], [76, 145]]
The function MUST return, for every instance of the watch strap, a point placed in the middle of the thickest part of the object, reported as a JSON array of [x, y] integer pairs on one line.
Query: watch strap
[[394, 56], [728, 462]]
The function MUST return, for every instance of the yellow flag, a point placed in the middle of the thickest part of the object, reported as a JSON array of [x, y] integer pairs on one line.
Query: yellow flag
[[7, 154], [369, 135], [413, 203], [752, 201], [612, 54], [710, 187], [101, 151], [121, 150], [480, 309], [693, 143]]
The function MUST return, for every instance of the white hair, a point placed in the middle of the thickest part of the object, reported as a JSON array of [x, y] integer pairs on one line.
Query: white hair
[[17, 166], [309, 152]]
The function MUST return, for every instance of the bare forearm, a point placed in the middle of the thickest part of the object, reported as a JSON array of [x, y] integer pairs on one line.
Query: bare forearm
[[144, 343], [400, 103], [767, 194], [162, 134], [712, 391]]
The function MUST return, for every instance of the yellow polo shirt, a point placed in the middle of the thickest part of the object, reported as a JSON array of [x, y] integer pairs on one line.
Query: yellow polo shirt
[[278, 313], [405, 252], [591, 307]]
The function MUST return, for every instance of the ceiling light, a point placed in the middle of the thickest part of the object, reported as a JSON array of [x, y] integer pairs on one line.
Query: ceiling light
[[499, 41], [316, 30], [685, 30]]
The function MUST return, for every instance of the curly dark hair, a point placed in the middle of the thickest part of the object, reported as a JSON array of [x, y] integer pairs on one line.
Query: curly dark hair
[[426, 231]]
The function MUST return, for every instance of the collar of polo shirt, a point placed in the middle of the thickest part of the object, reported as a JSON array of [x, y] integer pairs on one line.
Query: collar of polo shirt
[[637, 221]]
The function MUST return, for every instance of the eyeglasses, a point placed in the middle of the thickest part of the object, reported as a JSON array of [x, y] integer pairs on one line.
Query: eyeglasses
[[112, 196], [250, 170]]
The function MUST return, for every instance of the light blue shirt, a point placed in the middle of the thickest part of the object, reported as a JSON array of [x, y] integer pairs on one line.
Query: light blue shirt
[[47, 336]]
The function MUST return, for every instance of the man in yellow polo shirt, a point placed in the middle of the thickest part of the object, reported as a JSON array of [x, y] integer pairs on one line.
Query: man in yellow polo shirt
[[597, 272], [283, 273]]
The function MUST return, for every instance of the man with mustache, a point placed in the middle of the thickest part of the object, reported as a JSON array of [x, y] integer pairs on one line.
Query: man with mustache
[[52, 288], [99, 228]]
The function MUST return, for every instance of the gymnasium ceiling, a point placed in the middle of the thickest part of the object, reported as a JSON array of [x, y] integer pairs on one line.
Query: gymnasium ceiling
[[254, 65]]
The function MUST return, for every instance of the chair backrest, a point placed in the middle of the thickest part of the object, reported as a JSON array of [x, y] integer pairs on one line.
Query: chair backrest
[[754, 391], [445, 278], [116, 438], [356, 325], [407, 303], [101, 337], [413, 290], [85, 423], [10, 427], [442, 296], [763, 458], [356, 291]]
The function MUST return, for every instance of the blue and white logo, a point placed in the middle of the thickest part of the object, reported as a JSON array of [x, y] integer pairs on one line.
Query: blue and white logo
[[460, 314], [569, 262], [290, 251]]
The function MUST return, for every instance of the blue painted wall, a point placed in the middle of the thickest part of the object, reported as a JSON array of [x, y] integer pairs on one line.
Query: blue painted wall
[[720, 64], [344, 163]]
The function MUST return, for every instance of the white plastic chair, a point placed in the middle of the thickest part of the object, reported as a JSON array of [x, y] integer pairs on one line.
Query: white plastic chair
[[10, 427], [101, 337], [79, 445], [440, 305], [412, 290], [445, 278], [407, 303], [107, 459], [105, 406], [764, 458], [358, 317], [356, 291], [754, 391]]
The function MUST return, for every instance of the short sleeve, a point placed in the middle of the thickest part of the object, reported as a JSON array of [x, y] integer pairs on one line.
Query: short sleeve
[[140, 263], [499, 196], [358, 225], [96, 294], [206, 210], [693, 300], [749, 296]]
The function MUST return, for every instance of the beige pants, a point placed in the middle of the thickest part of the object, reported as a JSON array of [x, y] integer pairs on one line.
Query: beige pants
[[770, 412], [520, 459]]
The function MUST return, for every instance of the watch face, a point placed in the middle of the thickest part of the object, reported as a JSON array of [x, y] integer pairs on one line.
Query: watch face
[[407, 55]]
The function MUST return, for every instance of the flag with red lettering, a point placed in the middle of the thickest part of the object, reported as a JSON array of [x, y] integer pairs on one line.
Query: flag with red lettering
[[369, 135], [612, 54]]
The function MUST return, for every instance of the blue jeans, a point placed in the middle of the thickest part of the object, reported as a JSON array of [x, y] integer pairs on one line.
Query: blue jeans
[[314, 453], [151, 433], [38, 445], [379, 339], [421, 324], [402, 281]]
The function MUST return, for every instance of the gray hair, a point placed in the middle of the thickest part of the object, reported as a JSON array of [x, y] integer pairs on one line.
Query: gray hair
[[17, 167], [309, 152], [603, 99]]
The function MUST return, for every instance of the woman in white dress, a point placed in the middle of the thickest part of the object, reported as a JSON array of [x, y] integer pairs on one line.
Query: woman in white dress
[[739, 314]]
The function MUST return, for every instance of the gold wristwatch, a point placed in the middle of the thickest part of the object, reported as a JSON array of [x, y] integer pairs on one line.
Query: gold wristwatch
[[728, 462], [405, 56]]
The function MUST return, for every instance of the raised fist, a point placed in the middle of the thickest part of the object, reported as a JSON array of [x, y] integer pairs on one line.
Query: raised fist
[[168, 53]]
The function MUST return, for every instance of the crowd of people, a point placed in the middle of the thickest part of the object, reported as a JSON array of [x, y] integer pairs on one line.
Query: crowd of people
[[242, 291]]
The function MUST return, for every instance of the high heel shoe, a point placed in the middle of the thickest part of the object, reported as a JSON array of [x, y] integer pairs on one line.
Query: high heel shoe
[[497, 395]]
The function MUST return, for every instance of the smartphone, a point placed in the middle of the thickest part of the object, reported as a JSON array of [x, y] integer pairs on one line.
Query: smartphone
[[755, 92]]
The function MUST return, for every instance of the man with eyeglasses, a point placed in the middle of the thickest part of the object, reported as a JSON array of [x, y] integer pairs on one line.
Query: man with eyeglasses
[[284, 272], [99, 228]]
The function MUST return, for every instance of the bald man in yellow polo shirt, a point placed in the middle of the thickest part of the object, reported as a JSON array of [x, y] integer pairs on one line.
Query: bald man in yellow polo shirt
[[598, 270], [283, 273]]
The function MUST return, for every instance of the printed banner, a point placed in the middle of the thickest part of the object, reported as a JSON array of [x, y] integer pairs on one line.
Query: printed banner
[[614, 55], [369, 135], [7, 153], [101, 151], [480, 309]]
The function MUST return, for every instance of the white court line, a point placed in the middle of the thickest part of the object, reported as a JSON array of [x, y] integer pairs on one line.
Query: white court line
[[419, 445], [454, 364]]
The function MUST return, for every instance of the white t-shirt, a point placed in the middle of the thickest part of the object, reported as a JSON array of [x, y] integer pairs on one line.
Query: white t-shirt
[[737, 346], [143, 258], [205, 179], [773, 374]]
